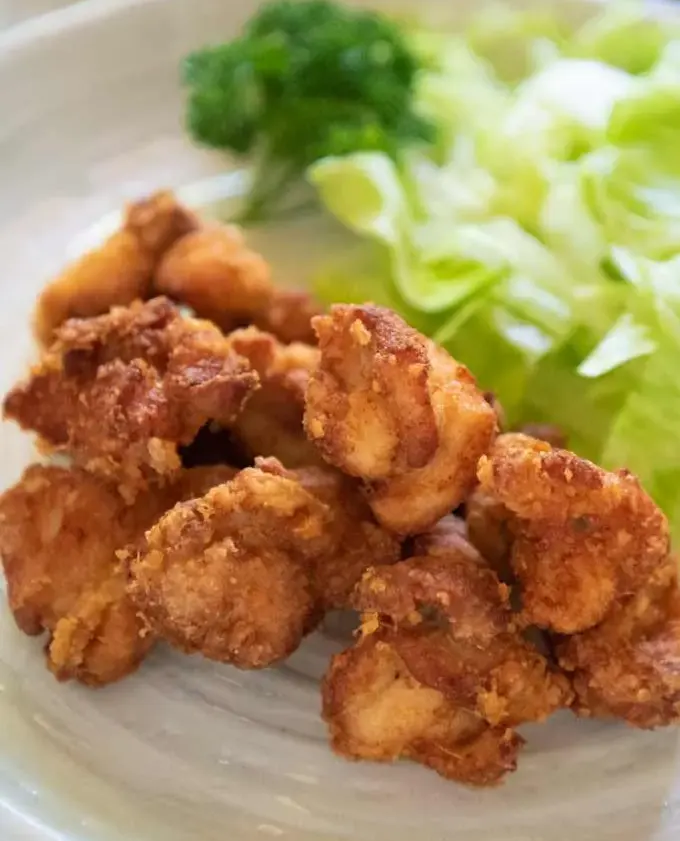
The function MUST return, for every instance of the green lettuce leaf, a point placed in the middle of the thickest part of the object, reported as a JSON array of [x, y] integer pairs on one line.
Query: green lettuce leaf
[[624, 35], [539, 239]]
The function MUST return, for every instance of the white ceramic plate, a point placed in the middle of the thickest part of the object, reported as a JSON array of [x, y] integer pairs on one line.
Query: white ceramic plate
[[187, 750]]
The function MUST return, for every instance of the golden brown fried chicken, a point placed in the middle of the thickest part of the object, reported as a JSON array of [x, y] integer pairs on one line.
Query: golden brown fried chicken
[[583, 537], [60, 534], [388, 406], [122, 391], [449, 619], [227, 575], [354, 541], [271, 421], [440, 674], [117, 272], [288, 316], [629, 665], [213, 271], [377, 710]]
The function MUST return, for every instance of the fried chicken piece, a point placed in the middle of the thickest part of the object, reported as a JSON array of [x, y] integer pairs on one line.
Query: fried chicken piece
[[628, 665], [226, 575], [377, 710], [449, 619], [117, 272], [489, 529], [213, 271], [61, 531], [391, 408], [288, 316], [354, 540], [271, 421], [583, 537], [122, 391]]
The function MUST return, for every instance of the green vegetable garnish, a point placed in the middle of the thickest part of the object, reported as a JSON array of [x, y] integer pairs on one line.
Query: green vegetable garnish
[[514, 189], [304, 81], [539, 239]]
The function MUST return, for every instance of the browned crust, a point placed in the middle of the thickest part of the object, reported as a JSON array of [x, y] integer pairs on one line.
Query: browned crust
[[390, 360], [627, 666], [226, 575], [117, 272], [389, 407], [213, 271], [584, 537], [64, 535], [377, 710], [466, 593], [121, 392]]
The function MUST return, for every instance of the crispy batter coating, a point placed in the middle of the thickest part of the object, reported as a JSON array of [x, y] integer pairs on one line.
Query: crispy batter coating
[[584, 537], [377, 710], [355, 540], [628, 665], [60, 532], [449, 619], [117, 272], [489, 529], [509, 682], [439, 674], [271, 421], [388, 406], [226, 575], [213, 271], [456, 584], [122, 391], [289, 315]]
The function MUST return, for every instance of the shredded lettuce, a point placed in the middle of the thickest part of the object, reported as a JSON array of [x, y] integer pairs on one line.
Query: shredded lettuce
[[539, 238]]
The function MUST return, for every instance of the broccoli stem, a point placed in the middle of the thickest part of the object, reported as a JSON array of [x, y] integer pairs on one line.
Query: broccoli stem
[[268, 186]]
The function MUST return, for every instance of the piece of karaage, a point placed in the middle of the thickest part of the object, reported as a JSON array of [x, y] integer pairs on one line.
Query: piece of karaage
[[629, 665], [117, 272], [377, 710], [390, 407], [61, 533], [122, 391], [449, 619], [288, 316], [270, 423], [439, 674], [583, 538], [227, 575], [214, 272]]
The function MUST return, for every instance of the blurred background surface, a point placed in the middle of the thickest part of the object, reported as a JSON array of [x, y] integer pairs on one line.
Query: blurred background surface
[[15, 11]]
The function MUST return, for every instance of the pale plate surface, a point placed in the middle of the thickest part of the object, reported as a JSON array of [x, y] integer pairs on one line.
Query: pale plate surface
[[187, 750]]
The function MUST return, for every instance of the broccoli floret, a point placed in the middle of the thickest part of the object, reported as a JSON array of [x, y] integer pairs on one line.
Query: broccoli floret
[[305, 80]]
